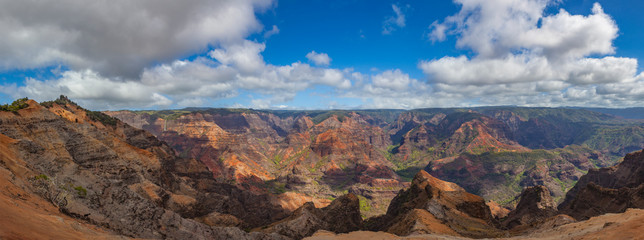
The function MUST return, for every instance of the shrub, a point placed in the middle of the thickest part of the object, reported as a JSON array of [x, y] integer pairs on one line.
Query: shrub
[[101, 117], [62, 100], [41, 176], [15, 106], [81, 191]]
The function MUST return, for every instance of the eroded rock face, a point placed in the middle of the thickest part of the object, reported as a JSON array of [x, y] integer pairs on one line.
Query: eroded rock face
[[594, 200], [464, 213], [102, 171], [608, 190], [321, 154], [341, 216], [535, 205], [265, 153]]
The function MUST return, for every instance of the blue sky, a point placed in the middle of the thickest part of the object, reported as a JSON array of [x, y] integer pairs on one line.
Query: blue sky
[[323, 54]]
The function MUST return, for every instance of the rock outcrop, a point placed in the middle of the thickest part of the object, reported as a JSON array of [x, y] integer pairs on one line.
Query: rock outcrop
[[535, 205], [607, 190], [341, 216], [101, 171], [441, 207]]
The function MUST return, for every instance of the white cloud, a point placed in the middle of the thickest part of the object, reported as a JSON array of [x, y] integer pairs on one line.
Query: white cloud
[[391, 23], [495, 27], [275, 30], [320, 59], [221, 75], [245, 57], [525, 57], [92, 90], [520, 56], [120, 37], [394, 80], [437, 32]]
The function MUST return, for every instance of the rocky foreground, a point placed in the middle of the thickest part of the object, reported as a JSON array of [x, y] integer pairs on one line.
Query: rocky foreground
[[70, 173]]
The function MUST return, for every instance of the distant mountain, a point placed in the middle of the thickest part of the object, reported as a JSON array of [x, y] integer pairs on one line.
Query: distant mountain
[[629, 113]]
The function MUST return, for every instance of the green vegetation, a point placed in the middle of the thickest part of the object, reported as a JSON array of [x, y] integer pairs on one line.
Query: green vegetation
[[62, 101], [81, 191], [97, 116], [101, 117], [319, 117], [275, 186], [42, 177], [164, 114], [618, 140], [277, 159], [407, 174], [365, 205], [562, 114], [389, 153], [319, 164], [16, 105]]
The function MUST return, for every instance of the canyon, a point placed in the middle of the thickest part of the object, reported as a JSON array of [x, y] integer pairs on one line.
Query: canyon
[[73, 173], [317, 156]]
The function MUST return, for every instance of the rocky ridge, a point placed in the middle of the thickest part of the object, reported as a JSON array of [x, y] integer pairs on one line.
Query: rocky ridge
[[608, 190], [535, 206], [341, 216], [111, 175], [431, 205]]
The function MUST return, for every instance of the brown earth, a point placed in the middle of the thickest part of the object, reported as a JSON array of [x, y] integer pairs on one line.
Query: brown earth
[[439, 206], [100, 171], [535, 205], [24, 215], [608, 190], [627, 225]]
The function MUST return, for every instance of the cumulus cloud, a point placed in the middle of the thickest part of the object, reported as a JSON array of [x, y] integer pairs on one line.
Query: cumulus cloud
[[320, 59], [120, 37], [394, 22], [393, 89], [523, 56], [89, 87], [245, 57], [221, 75], [134, 54]]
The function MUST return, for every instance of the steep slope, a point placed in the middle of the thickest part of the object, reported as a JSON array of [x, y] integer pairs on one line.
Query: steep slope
[[480, 153], [502, 175], [319, 157], [535, 205], [431, 205], [439, 136], [341, 216], [608, 190], [96, 169], [25, 215]]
